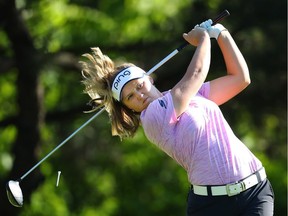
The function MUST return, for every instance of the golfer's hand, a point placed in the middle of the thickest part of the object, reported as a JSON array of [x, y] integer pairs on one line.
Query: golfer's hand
[[215, 30], [206, 24], [195, 36]]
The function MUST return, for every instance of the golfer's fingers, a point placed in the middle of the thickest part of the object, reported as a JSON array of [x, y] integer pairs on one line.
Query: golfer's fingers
[[190, 38], [194, 35]]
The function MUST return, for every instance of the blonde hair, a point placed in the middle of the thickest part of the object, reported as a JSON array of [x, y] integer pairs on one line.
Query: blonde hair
[[98, 74]]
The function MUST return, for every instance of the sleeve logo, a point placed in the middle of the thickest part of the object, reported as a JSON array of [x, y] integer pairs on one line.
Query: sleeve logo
[[162, 103]]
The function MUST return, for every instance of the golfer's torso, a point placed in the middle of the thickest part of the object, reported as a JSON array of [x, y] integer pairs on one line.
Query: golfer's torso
[[203, 143], [215, 156]]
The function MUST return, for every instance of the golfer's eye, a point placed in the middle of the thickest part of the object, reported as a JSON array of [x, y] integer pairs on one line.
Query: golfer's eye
[[140, 85], [129, 97]]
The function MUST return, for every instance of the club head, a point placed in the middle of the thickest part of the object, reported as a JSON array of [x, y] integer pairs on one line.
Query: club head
[[14, 193]]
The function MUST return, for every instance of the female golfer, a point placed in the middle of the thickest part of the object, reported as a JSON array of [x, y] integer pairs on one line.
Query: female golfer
[[187, 124]]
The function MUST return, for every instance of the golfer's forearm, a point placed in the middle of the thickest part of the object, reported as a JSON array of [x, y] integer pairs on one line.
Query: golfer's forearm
[[197, 70], [194, 77], [201, 59], [235, 62]]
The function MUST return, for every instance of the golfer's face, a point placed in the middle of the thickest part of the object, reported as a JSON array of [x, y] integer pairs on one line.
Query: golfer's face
[[139, 93]]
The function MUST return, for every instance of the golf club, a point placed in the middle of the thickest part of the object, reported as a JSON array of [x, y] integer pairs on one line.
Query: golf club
[[13, 189]]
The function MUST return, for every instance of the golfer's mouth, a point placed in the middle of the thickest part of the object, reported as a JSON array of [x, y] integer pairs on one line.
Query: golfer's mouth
[[146, 100]]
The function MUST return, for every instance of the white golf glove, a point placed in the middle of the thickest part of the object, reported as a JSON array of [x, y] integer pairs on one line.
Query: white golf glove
[[214, 30], [206, 24]]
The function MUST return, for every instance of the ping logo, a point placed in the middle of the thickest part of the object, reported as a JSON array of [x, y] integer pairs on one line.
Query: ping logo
[[162, 103], [120, 77]]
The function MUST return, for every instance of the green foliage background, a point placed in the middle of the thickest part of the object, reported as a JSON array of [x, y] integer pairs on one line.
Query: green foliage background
[[102, 175]]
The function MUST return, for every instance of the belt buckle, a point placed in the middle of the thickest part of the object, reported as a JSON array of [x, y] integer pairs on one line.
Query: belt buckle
[[235, 188]]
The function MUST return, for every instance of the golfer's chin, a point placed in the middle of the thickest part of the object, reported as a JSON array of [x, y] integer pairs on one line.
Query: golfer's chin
[[146, 103]]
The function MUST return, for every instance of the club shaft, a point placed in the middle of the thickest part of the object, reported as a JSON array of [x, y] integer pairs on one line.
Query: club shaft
[[168, 57], [163, 61], [62, 143]]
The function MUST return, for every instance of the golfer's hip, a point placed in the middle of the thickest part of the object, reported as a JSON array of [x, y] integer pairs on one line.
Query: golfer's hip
[[231, 189]]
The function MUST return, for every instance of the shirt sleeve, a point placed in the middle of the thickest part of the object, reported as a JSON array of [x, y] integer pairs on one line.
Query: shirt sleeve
[[159, 120], [205, 90]]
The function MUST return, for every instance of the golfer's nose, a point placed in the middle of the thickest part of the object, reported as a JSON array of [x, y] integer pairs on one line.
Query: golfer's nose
[[139, 94]]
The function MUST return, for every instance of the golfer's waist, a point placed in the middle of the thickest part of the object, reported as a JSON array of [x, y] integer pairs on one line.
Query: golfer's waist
[[233, 188]]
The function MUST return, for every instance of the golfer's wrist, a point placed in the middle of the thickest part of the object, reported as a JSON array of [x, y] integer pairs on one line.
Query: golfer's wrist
[[223, 34], [204, 37]]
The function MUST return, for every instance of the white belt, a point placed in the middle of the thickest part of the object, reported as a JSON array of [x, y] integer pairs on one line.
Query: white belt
[[234, 188]]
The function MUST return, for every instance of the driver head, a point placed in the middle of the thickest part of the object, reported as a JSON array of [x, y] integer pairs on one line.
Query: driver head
[[14, 193]]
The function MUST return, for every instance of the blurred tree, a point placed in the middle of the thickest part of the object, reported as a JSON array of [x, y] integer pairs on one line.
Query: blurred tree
[[41, 102], [28, 95]]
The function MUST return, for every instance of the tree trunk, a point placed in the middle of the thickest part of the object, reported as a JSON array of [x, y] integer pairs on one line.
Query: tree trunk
[[30, 113]]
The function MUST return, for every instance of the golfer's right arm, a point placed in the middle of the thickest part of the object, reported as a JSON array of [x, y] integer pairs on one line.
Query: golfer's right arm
[[197, 70]]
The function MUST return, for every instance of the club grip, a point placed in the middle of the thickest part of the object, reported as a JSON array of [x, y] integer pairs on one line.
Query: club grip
[[217, 19], [221, 16]]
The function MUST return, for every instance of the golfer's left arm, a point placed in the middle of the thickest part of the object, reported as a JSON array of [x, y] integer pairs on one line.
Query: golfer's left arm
[[224, 88]]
